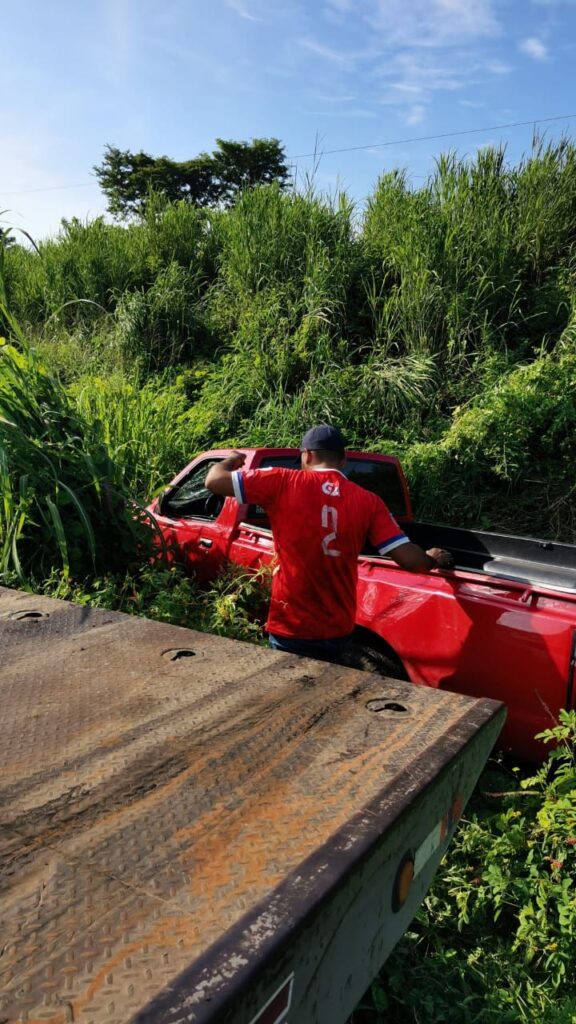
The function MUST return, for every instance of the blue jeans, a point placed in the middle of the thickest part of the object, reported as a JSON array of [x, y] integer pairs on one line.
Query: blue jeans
[[324, 650]]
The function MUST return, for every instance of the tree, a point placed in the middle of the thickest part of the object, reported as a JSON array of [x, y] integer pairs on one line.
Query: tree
[[127, 179], [241, 165]]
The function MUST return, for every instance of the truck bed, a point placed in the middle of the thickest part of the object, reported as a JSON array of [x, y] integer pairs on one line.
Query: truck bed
[[538, 563], [196, 829]]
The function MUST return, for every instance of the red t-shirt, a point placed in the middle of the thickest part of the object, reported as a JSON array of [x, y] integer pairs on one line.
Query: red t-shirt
[[320, 522]]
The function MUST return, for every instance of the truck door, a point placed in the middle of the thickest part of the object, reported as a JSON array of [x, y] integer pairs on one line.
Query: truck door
[[191, 520]]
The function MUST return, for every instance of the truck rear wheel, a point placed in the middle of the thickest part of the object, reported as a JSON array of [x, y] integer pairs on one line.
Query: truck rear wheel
[[368, 658]]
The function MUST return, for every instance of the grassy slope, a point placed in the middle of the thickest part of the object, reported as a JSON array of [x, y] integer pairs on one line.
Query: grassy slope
[[441, 325]]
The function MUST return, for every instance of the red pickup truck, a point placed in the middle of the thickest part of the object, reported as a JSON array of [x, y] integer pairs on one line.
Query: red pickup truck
[[501, 624]]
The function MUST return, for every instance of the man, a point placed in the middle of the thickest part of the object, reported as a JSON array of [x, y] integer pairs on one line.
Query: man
[[320, 522]]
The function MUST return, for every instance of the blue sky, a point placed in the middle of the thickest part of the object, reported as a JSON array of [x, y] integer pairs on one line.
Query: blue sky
[[169, 76]]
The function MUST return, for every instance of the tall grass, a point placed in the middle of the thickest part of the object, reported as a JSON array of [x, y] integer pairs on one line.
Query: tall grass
[[62, 499], [142, 283], [145, 429], [407, 316], [477, 263], [507, 460], [477, 260]]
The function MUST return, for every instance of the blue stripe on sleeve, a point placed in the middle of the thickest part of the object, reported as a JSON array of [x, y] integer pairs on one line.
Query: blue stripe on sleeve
[[238, 493], [393, 542], [241, 485]]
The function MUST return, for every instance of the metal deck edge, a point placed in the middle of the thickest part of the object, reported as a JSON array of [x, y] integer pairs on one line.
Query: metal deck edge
[[258, 938]]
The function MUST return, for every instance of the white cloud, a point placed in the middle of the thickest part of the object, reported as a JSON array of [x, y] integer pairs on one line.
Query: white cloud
[[350, 112], [497, 67], [408, 89], [413, 78], [416, 114], [431, 23], [336, 97], [430, 46], [533, 47], [417, 47], [345, 60], [242, 10]]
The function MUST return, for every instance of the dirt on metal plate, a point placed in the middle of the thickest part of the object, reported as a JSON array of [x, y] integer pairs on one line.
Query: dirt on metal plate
[[158, 784]]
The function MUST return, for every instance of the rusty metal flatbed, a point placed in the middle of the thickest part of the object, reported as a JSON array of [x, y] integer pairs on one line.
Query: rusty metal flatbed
[[195, 829]]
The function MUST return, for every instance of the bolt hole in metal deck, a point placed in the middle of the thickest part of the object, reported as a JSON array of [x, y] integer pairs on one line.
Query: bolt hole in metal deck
[[195, 829]]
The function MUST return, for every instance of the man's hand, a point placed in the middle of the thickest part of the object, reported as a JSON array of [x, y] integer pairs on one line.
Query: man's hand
[[411, 557], [219, 479], [233, 462], [442, 558]]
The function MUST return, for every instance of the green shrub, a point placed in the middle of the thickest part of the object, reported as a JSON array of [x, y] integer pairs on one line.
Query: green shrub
[[158, 591], [507, 460], [145, 428], [236, 603], [272, 238], [232, 606], [79, 277], [159, 326]]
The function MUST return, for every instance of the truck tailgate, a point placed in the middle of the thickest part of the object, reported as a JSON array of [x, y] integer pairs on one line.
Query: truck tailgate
[[197, 829]]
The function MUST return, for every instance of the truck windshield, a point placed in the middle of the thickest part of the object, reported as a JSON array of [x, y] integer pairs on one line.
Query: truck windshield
[[382, 478]]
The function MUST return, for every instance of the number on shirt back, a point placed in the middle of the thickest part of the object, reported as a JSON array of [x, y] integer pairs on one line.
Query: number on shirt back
[[330, 522]]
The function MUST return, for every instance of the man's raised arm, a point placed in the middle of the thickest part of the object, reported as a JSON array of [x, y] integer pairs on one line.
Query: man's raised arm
[[219, 476]]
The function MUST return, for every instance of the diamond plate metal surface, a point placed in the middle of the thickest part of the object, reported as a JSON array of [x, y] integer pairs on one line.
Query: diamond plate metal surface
[[148, 803]]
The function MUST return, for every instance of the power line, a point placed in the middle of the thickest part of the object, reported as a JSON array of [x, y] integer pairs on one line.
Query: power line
[[429, 138], [346, 149]]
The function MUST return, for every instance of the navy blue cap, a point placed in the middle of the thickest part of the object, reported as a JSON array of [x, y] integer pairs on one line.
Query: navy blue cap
[[323, 438]]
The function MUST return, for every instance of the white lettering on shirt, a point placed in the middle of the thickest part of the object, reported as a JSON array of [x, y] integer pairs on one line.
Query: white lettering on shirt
[[329, 488], [330, 520]]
